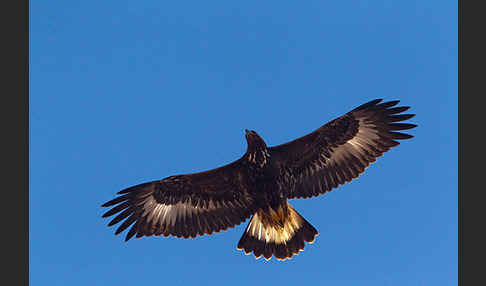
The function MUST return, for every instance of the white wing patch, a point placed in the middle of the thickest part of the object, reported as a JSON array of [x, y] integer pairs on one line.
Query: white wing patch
[[170, 214], [366, 136]]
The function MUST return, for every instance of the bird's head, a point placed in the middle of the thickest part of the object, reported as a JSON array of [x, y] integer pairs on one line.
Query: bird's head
[[257, 152], [255, 142]]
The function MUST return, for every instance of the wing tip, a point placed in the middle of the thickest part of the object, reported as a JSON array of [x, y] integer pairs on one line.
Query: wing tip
[[399, 135], [129, 235], [401, 126], [369, 104]]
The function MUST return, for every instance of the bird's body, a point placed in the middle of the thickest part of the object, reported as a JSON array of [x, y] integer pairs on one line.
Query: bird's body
[[259, 184]]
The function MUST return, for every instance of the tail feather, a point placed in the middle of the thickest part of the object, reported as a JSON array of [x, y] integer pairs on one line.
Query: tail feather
[[281, 233]]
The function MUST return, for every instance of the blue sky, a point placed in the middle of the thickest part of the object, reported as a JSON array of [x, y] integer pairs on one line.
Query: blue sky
[[123, 92]]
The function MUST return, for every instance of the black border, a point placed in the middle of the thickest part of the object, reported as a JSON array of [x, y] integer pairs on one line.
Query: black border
[[15, 119], [23, 70], [471, 204]]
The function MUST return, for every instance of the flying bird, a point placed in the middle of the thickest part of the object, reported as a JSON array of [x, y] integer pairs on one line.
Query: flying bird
[[260, 183]]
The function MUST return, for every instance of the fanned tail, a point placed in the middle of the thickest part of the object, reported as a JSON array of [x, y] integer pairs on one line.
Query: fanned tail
[[281, 233]]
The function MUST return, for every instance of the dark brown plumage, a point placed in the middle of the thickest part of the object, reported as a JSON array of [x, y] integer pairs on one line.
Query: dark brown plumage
[[259, 184]]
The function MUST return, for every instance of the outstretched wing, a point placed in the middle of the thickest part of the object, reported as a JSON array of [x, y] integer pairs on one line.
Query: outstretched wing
[[340, 150], [184, 205]]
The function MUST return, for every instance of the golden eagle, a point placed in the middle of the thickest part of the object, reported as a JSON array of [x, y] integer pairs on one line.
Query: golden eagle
[[259, 184]]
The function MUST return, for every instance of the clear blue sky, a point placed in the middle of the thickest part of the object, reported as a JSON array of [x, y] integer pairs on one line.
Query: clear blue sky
[[123, 92]]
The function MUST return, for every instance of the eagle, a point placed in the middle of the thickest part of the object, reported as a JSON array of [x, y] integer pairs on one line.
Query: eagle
[[260, 183]]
